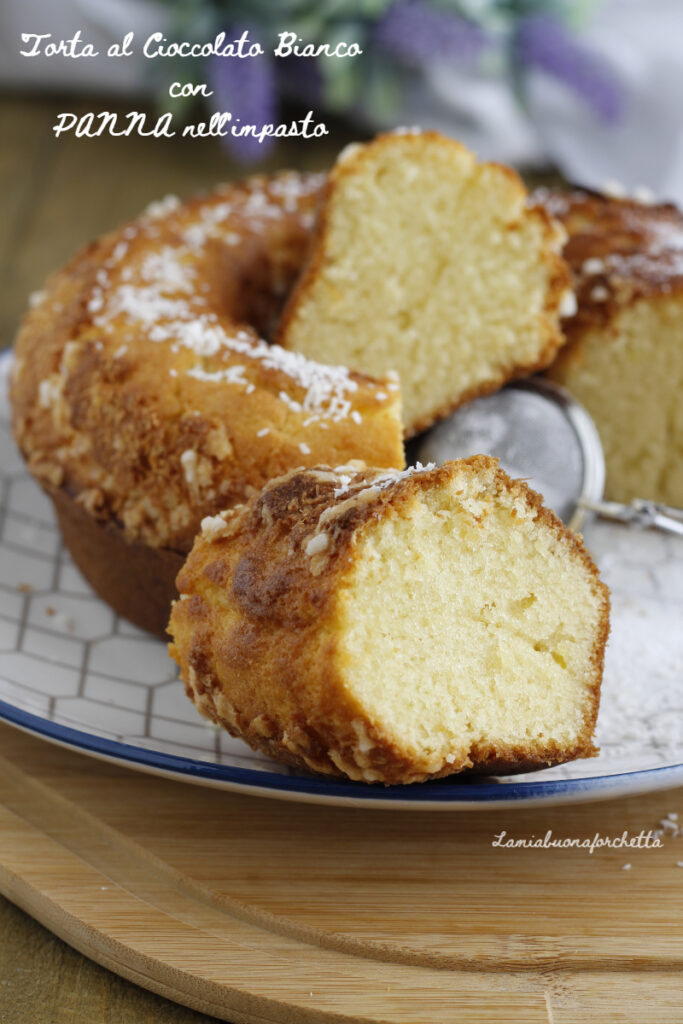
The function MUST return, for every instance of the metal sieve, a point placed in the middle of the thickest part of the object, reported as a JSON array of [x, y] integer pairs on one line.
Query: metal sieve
[[542, 434]]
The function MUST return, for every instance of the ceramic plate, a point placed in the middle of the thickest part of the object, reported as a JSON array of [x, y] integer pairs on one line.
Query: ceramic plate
[[75, 673]]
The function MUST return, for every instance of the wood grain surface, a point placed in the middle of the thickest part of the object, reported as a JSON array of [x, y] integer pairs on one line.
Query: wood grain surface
[[257, 910]]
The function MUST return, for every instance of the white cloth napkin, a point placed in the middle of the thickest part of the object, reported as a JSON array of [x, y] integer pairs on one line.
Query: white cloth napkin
[[642, 42]]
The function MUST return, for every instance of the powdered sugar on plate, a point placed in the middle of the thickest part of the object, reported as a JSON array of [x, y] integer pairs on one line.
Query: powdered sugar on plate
[[641, 711], [640, 724]]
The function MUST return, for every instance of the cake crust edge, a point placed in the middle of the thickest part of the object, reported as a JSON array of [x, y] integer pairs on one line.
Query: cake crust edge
[[559, 277], [262, 660]]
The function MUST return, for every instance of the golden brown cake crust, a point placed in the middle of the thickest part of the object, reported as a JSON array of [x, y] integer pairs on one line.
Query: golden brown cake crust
[[255, 631], [619, 251], [623, 360], [558, 275], [141, 388]]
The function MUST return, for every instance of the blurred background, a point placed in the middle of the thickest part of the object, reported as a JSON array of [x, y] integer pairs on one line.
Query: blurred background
[[589, 90]]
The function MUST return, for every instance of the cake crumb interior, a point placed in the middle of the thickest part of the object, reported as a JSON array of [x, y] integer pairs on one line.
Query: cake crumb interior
[[431, 269], [631, 381], [464, 623]]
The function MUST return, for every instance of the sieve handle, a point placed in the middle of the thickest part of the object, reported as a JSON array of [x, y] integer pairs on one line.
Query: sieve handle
[[646, 514]]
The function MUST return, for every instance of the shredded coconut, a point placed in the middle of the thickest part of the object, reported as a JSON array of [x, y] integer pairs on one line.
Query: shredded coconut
[[118, 252], [293, 405], [568, 304], [188, 461], [231, 375], [348, 152], [613, 188], [643, 194], [213, 527], [166, 270], [318, 543], [344, 482], [165, 303], [394, 476], [594, 265], [49, 391], [208, 225], [376, 484], [162, 207], [170, 319], [147, 305]]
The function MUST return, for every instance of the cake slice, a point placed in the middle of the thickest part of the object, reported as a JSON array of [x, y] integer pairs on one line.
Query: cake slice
[[429, 264], [395, 626], [624, 357]]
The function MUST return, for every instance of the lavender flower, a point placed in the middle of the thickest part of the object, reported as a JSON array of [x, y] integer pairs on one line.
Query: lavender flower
[[416, 31], [302, 77], [541, 41], [246, 88]]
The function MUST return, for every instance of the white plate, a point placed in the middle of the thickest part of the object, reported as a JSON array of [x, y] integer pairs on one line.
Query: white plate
[[75, 673]]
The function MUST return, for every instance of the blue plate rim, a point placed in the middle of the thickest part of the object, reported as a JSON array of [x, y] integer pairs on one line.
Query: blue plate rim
[[441, 792], [438, 793]]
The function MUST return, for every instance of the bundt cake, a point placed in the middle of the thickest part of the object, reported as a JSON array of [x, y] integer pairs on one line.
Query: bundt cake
[[395, 626], [624, 357], [427, 263], [145, 399]]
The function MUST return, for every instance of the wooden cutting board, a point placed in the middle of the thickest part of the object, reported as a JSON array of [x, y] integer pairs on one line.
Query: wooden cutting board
[[257, 910]]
